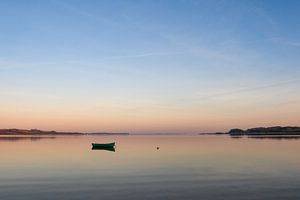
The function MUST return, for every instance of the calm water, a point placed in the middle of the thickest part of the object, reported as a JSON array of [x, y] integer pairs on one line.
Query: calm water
[[185, 167]]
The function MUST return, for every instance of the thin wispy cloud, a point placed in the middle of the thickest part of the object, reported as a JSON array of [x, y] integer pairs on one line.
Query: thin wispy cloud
[[185, 46], [6, 64], [203, 51], [82, 12], [9, 64], [150, 54], [250, 89], [264, 15], [285, 41]]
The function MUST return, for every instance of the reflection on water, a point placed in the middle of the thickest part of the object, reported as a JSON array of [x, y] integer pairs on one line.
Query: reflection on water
[[184, 167], [274, 137], [285, 137], [18, 138]]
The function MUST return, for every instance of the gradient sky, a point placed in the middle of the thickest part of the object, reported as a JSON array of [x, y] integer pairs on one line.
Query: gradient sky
[[149, 66]]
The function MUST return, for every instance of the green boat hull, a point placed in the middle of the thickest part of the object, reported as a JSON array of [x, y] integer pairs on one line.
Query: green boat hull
[[104, 148], [107, 145]]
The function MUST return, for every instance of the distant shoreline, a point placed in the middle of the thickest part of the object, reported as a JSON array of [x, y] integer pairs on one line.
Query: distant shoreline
[[261, 131], [41, 132]]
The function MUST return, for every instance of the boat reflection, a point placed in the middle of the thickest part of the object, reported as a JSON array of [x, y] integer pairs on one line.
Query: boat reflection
[[104, 148]]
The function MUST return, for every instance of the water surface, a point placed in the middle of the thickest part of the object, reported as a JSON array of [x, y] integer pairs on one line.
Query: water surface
[[184, 167]]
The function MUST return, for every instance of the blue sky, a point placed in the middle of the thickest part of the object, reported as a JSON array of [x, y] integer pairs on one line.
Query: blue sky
[[149, 66]]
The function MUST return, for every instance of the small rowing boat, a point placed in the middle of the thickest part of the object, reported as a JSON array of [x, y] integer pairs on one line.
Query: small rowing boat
[[104, 145], [104, 148]]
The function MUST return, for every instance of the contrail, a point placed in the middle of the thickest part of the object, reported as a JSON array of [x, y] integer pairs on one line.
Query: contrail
[[250, 89], [84, 13]]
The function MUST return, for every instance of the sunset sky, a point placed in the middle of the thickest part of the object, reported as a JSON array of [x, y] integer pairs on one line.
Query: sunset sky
[[149, 66]]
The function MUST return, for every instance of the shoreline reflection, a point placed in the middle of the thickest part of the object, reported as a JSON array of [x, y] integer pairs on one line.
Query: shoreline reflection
[[22, 138], [272, 137]]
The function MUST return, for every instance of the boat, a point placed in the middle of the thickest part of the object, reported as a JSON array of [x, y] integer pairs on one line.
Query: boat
[[103, 145], [104, 148]]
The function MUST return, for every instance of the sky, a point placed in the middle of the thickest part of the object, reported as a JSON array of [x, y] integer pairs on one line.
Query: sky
[[165, 66]]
